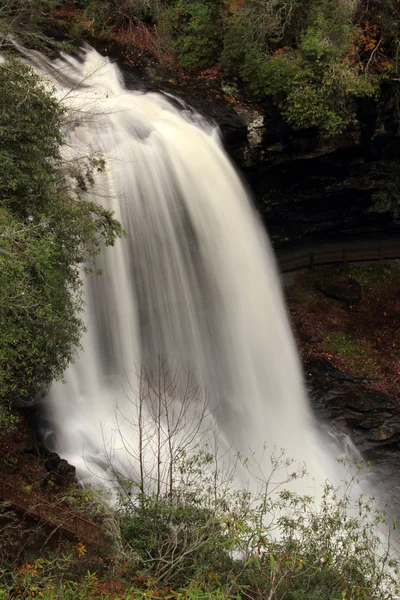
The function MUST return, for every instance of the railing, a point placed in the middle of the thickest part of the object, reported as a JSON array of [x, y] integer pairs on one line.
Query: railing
[[339, 256], [51, 514]]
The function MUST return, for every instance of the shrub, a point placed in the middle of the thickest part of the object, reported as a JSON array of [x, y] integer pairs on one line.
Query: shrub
[[176, 540], [202, 527], [193, 25], [24, 20], [48, 233], [272, 76], [273, 543], [105, 15], [309, 105], [328, 34], [305, 57]]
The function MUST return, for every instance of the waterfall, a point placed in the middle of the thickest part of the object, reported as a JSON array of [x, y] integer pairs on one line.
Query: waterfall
[[192, 291]]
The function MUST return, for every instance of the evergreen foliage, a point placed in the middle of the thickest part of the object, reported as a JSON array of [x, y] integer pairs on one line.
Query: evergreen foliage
[[312, 59], [47, 233], [23, 20], [193, 29]]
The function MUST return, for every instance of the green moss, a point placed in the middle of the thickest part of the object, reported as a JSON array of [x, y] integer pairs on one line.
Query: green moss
[[374, 276], [358, 354]]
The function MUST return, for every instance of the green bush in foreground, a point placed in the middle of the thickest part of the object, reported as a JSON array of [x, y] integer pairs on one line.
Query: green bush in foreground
[[274, 544], [208, 540]]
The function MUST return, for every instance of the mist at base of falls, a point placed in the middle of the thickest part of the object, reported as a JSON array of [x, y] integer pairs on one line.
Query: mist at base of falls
[[187, 332]]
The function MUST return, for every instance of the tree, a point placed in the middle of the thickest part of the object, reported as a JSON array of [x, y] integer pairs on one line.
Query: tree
[[194, 29], [48, 231], [23, 20]]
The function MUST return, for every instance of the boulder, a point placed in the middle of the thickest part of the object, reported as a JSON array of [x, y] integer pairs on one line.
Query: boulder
[[369, 417], [62, 471], [348, 291]]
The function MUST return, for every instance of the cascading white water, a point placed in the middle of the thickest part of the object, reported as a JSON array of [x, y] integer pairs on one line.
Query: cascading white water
[[193, 282]]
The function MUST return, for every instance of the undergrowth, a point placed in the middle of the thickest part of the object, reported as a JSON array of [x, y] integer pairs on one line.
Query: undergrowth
[[210, 540]]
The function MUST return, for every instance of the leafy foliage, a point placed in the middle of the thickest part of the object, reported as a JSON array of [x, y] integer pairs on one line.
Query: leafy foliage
[[47, 234], [311, 59], [272, 543], [23, 20], [177, 541], [304, 57], [202, 536], [192, 25]]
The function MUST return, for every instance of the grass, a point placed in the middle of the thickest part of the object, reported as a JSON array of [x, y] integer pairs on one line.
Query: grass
[[358, 354], [373, 276]]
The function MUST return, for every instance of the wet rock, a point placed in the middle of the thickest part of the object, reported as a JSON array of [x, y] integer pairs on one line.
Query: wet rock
[[384, 433], [61, 470], [348, 291], [304, 337], [357, 397], [256, 130], [371, 418], [323, 370], [359, 416], [315, 189]]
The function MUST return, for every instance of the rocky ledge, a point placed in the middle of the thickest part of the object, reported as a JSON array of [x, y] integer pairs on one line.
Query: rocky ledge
[[346, 323], [306, 187], [370, 418]]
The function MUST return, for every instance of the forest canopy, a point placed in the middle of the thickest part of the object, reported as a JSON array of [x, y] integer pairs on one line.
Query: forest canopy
[[312, 59]]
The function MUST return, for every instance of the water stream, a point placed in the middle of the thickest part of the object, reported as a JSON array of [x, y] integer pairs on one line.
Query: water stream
[[187, 321]]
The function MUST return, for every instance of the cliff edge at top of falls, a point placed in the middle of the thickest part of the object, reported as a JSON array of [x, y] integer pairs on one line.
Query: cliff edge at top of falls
[[306, 186]]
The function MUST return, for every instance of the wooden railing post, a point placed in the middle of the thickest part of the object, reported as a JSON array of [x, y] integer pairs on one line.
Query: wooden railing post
[[381, 254], [312, 260], [344, 256]]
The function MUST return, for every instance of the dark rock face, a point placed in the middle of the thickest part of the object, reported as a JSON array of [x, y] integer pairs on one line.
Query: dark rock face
[[315, 188], [306, 187], [372, 418], [369, 417], [349, 291], [61, 470]]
